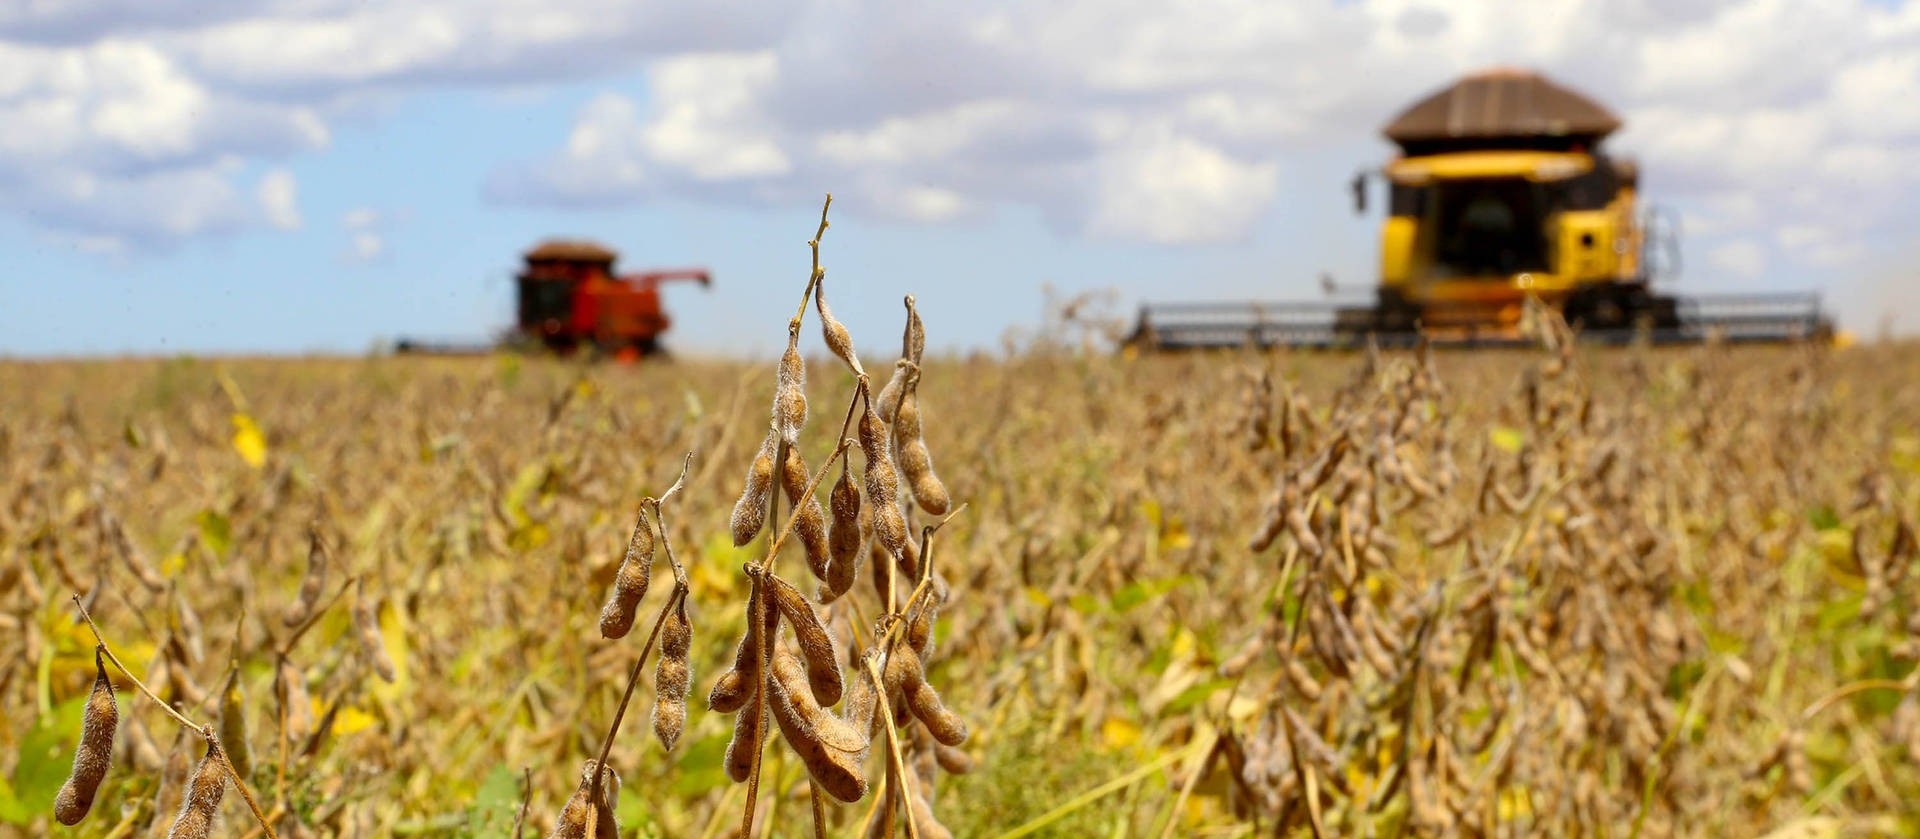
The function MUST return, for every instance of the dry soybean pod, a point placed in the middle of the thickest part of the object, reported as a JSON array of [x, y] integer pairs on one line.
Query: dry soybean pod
[[366, 621], [889, 396], [673, 676], [630, 582], [920, 629], [95, 752], [923, 820], [191, 634], [831, 748], [845, 538], [572, 823], [809, 520], [789, 392], [750, 512], [816, 644], [312, 584], [136, 560], [734, 687], [291, 687], [835, 333], [204, 791], [945, 725], [172, 785], [763, 620], [906, 565], [911, 453], [913, 343], [233, 723], [953, 759], [883, 485], [748, 727]]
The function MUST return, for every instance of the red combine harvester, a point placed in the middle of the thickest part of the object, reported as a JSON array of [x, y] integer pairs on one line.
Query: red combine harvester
[[570, 299]]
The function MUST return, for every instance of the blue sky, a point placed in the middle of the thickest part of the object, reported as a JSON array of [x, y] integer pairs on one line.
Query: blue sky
[[212, 176]]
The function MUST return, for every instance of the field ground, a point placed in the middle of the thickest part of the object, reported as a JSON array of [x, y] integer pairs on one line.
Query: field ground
[[1625, 592]]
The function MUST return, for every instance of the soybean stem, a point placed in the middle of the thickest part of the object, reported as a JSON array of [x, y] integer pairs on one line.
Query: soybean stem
[[182, 718]]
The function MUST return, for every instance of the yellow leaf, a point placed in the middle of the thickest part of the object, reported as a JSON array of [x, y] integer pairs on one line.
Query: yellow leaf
[[1119, 733], [248, 441], [1506, 439], [393, 636], [1184, 644], [1906, 453], [1151, 509], [713, 579], [1514, 804], [1175, 536], [351, 720]]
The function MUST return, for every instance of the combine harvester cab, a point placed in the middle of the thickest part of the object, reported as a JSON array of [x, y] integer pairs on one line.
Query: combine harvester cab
[[1502, 195], [570, 299]]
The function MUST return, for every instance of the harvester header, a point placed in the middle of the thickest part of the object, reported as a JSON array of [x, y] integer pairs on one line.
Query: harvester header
[[1502, 194]]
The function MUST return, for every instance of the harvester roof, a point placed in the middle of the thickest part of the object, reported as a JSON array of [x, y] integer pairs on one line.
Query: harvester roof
[[571, 250], [1500, 104]]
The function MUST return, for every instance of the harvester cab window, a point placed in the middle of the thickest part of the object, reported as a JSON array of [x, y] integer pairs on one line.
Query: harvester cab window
[[1490, 228], [1407, 201]]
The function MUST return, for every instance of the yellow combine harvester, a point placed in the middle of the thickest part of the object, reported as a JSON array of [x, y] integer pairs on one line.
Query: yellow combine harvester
[[1502, 195]]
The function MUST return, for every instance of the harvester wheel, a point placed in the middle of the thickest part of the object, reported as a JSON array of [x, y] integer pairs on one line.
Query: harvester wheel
[[1353, 324], [1599, 309], [1662, 312]]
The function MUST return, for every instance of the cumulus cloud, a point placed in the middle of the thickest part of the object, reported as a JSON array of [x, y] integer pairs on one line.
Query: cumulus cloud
[[105, 99], [604, 161], [366, 234], [280, 197], [1174, 189], [1175, 123], [132, 211], [1148, 121], [1742, 258]]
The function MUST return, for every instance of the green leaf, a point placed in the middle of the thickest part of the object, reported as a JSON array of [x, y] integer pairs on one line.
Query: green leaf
[[11, 811], [1823, 518], [1141, 591], [1195, 695], [1682, 676], [1838, 613], [636, 816], [46, 755], [216, 532], [697, 770], [506, 368], [495, 804], [1085, 604]]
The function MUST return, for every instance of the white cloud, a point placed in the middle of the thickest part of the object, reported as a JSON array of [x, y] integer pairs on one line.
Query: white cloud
[[1173, 122], [707, 126], [368, 246], [366, 234], [127, 212], [280, 197], [101, 99], [1175, 190], [603, 160], [1744, 259], [927, 203], [1157, 121]]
